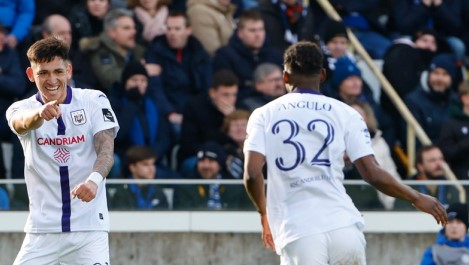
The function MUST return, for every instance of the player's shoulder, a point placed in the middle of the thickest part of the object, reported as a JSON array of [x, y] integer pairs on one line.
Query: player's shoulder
[[26, 102], [88, 94]]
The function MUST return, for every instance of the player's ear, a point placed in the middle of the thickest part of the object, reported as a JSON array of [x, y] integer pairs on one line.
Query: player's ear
[[286, 77], [30, 74], [323, 75], [69, 70]]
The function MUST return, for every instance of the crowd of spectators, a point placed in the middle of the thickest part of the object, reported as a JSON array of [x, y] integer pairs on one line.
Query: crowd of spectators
[[182, 73]]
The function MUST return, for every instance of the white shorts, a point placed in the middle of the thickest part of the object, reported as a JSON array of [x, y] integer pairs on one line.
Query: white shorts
[[344, 246], [80, 248]]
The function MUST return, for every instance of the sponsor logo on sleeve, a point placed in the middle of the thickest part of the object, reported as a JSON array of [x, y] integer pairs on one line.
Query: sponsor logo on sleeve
[[107, 115]]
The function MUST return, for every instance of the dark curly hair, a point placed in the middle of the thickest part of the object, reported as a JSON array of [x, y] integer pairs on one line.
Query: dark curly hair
[[45, 50], [303, 58]]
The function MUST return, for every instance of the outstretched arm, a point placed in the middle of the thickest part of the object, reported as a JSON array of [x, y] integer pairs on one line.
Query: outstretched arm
[[254, 184], [104, 146], [384, 182], [32, 119]]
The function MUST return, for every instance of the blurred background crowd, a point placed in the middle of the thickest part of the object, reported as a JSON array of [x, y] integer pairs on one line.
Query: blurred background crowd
[[183, 77]]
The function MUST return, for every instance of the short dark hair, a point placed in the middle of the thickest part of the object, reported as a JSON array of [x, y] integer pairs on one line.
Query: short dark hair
[[247, 15], [224, 77], [138, 153], [177, 13], [421, 151], [45, 50], [303, 58]]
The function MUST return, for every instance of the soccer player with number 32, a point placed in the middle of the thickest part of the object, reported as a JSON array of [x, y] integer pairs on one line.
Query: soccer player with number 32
[[307, 217]]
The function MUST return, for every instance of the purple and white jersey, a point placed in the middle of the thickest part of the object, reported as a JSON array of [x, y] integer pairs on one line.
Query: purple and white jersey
[[58, 156], [304, 136]]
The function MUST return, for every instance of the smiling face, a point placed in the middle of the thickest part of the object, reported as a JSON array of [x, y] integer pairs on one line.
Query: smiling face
[[51, 78]]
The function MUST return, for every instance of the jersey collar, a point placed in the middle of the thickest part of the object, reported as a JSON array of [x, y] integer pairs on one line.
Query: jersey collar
[[67, 100], [306, 90]]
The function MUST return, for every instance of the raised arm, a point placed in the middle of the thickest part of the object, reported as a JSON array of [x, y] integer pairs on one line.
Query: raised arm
[[384, 182]]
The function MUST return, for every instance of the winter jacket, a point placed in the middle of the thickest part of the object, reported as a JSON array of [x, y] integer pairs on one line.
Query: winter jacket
[[242, 61], [212, 23], [181, 80], [430, 109], [454, 142], [106, 60], [446, 252], [17, 16]]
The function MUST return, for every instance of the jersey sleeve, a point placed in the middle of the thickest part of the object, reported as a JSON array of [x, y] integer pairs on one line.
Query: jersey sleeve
[[357, 138], [103, 116], [12, 111], [255, 138]]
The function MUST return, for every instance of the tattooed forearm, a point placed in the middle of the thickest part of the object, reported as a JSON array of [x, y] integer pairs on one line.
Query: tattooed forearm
[[104, 146]]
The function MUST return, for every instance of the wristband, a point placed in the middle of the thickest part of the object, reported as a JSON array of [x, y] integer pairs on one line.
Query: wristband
[[96, 178]]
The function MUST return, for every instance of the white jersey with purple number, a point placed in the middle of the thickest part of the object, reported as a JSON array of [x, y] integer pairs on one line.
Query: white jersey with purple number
[[304, 136], [58, 156]]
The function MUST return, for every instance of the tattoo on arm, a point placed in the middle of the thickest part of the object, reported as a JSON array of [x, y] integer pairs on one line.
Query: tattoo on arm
[[104, 146]]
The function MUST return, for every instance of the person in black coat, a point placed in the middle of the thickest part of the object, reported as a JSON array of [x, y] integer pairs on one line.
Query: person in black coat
[[454, 135], [430, 101], [245, 51], [183, 66], [286, 22], [204, 115]]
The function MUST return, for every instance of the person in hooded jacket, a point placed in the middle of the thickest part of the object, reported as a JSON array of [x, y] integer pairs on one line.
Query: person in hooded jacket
[[452, 243], [429, 103]]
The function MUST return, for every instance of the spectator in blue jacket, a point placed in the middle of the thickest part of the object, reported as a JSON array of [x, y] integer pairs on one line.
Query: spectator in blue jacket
[[140, 162], [17, 16], [430, 101], [12, 82], [452, 243], [4, 200], [182, 64], [139, 115], [246, 50]]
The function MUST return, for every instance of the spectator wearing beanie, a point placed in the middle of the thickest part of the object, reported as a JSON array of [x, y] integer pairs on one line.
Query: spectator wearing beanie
[[138, 113], [211, 165], [429, 102], [347, 85], [336, 42], [452, 243]]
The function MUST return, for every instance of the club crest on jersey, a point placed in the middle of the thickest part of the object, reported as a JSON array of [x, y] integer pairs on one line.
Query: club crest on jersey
[[107, 115], [78, 117]]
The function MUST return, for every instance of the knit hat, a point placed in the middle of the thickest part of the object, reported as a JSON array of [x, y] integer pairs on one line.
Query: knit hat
[[334, 29], [458, 211], [133, 68], [344, 68], [445, 61], [213, 151]]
